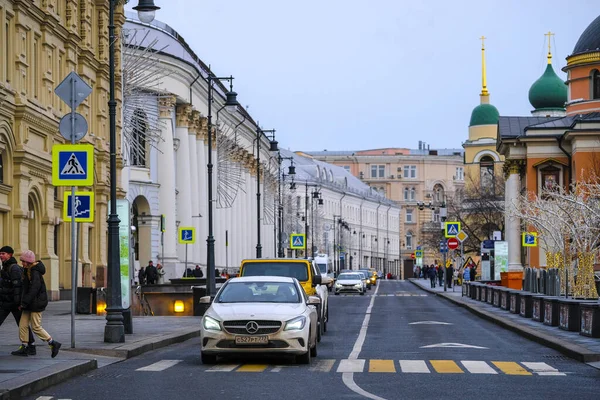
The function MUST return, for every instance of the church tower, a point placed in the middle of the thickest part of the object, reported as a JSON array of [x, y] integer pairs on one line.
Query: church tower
[[548, 95]]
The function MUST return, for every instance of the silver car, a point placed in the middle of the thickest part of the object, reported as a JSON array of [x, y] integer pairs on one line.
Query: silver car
[[260, 315], [350, 282]]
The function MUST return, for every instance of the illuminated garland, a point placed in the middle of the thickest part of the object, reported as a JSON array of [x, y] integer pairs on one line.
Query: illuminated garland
[[585, 287]]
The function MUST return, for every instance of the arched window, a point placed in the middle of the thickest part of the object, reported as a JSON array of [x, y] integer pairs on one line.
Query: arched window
[[596, 84], [406, 194], [137, 149], [486, 174], [438, 194]]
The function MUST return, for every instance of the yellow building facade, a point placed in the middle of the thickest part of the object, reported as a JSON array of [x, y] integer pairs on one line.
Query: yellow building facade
[[42, 41]]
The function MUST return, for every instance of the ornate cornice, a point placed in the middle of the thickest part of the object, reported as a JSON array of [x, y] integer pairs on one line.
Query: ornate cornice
[[165, 105], [182, 116], [194, 122], [512, 167], [586, 58]]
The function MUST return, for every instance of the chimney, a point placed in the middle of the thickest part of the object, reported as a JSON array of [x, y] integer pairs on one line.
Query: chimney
[[420, 143]]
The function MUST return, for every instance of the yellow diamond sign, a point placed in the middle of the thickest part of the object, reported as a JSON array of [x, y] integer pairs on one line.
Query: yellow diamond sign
[[462, 236]]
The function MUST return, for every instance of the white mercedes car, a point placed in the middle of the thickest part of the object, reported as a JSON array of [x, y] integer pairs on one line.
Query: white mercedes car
[[260, 315]]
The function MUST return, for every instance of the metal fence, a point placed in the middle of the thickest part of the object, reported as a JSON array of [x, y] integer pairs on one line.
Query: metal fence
[[545, 281]]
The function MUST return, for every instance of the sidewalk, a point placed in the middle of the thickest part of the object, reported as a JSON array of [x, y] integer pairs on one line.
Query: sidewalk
[[572, 344], [22, 376]]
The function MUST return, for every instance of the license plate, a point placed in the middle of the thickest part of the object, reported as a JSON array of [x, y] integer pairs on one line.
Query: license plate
[[251, 340]]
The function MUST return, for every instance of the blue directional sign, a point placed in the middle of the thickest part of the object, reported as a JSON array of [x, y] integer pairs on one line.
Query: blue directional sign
[[297, 241], [530, 239], [451, 229], [84, 207], [187, 235], [443, 246], [73, 165]]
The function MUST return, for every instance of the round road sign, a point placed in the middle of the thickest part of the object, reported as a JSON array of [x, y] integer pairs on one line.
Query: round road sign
[[453, 243]]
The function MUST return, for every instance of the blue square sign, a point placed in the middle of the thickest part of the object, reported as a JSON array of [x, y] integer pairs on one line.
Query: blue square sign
[[72, 165], [84, 207]]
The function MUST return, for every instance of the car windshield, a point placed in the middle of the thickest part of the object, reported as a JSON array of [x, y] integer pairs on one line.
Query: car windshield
[[259, 292], [296, 270], [322, 267], [349, 277]]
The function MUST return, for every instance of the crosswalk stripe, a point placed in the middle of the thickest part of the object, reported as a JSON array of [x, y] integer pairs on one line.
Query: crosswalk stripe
[[382, 366], [252, 368], [446, 367], [159, 366], [223, 368], [478, 367], [543, 369], [414, 366], [511, 368], [45, 398], [322, 366], [351, 366]]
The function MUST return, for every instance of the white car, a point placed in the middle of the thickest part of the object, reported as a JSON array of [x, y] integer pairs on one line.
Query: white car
[[260, 315], [350, 282]]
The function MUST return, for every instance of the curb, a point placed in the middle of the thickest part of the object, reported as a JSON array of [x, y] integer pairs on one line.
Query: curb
[[571, 350], [23, 386]]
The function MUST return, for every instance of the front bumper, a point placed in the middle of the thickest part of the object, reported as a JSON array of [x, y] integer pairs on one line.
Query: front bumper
[[282, 342], [349, 289]]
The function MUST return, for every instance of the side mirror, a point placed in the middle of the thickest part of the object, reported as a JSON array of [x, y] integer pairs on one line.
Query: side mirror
[[317, 280], [204, 300], [313, 301]]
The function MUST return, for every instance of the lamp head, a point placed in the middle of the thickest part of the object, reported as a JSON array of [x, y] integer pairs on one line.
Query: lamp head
[[291, 170], [315, 195], [320, 202], [273, 145], [231, 104], [146, 10]]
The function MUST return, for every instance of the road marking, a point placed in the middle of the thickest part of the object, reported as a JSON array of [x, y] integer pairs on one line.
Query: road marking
[[382, 366], [414, 366], [511, 368], [453, 345], [223, 368], [478, 367], [45, 398], [351, 366], [252, 368], [446, 367], [430, 323], [279, 368], [159, 366], [543, 369], [322, 366]]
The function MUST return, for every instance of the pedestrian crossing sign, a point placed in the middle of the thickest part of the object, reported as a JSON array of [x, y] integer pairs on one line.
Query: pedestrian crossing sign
[[530, 239], [84, 207], [451, 229], [72, 165], [419, 253], [187, 235], [297, 241]]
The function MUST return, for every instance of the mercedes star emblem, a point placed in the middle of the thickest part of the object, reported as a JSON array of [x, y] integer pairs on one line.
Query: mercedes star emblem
[[252, 327]]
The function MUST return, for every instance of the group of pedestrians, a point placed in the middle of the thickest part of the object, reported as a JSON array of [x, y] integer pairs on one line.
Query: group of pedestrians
[[151, 275], [435, 273], [23, 294]]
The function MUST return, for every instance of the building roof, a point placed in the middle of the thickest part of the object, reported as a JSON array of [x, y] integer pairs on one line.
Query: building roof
[[549, 92], [411, 152], [512, 127], [484, 114], [589, 40]]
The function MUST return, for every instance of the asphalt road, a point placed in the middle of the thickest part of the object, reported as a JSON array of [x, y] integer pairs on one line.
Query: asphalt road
[[400, 343]]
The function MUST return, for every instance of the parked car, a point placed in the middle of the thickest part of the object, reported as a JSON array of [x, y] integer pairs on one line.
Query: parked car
[[303, 270], [350, 282], [260, 315]]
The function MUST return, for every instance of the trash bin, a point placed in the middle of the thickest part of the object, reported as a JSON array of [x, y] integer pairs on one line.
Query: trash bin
[[198, 292], [86, 300], [128, 321]]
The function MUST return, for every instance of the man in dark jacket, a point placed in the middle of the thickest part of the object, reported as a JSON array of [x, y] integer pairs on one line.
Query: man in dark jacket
[[33, 303], [151, 273], [11, 284]]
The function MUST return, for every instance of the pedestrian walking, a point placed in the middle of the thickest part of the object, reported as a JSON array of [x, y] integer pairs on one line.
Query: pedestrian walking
[[161, 273], [33, 302], [11, 289], [449, 275], [151, 273], [440, 274], [141, 276], [432, 277]]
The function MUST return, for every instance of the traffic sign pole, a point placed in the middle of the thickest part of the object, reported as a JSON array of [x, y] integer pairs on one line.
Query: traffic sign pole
[[74, 232]]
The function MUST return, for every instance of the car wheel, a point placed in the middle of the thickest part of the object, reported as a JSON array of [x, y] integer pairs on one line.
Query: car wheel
[[337, 293], [303, 358], [208, 358], [326, 319], [362, 293], [319, 327], [313, 351]]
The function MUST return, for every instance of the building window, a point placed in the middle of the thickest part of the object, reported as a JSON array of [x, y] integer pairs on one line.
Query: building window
[[410, 171], [438, 194], [36, 67], [409, 194], [137, 150], [346, 167], [596, 84], [7, 51], [460, 174], [409, 243], [377, 171], [436, 215], [486, 174], [409, 216]]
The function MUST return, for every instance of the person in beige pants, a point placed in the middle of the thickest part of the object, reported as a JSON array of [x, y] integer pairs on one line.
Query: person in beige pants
[[33, 302]]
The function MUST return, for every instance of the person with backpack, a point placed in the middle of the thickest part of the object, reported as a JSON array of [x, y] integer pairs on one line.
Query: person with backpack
[[11, 285], [33, 302]]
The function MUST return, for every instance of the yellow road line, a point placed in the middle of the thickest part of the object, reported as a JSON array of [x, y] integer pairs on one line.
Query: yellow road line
[[446, 367], [252, 368], [382, 366], [511, 368]]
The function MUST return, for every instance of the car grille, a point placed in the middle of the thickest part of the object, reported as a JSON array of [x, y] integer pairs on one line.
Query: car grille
[[265, 327], [273, 344]]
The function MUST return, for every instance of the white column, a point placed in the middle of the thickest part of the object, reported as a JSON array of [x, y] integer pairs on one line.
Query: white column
[[202, 196], [513, 226], [194, 187], [184, 201], [166, 179]]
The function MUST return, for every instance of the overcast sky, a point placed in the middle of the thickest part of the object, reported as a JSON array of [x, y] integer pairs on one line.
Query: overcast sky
[[356, 74]]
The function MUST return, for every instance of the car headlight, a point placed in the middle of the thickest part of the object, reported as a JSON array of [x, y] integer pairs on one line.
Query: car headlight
[[211, 324], [295, 324], [338, 285], [358, 285]]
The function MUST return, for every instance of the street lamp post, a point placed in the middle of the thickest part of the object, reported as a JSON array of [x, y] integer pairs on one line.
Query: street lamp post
[[273, 144], [114, 330], [231, 105], [281, 178]]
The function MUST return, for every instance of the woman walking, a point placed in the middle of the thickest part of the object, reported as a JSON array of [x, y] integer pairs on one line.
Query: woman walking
[[33, 302]]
